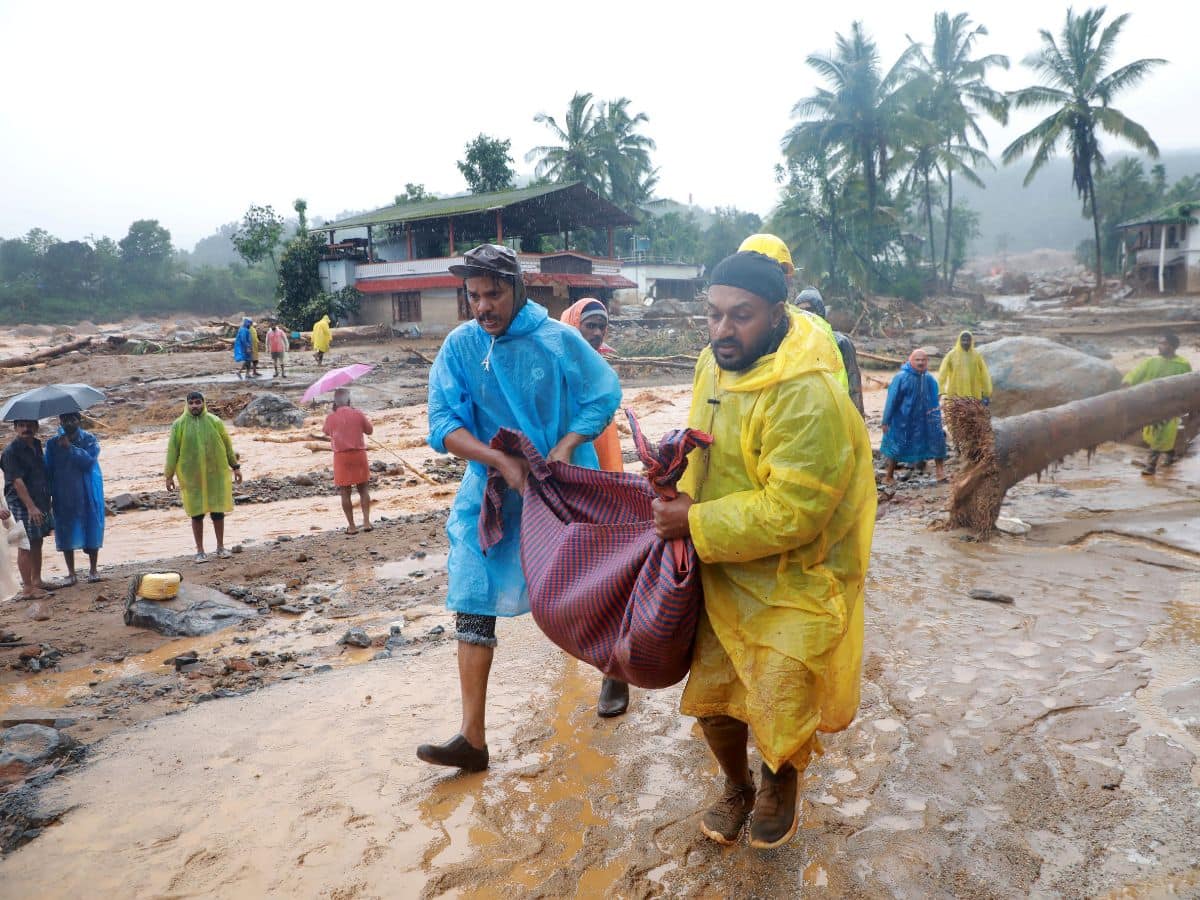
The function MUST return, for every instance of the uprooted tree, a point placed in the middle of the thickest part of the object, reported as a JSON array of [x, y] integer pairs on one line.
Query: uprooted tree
[[999, 454]]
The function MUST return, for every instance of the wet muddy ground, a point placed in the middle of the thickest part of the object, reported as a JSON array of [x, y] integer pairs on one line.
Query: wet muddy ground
[[1047, 747]]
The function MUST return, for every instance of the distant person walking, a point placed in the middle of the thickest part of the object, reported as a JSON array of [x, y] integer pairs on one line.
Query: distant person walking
[[255, 349], [1161, 436], [322, 338], [200, 453], [27, 493], [243, 349], [810, 300], [77, 494], [347, 428], [277, 346], [912, 419]]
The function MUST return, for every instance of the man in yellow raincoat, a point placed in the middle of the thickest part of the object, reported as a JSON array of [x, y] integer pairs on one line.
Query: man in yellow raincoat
[[322, 338], [963, 372], [200, 453], [781, 510], [1160, 437]]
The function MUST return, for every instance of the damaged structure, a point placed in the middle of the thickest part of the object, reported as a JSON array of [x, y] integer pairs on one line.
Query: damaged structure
[[1163, 249], [399, 257]]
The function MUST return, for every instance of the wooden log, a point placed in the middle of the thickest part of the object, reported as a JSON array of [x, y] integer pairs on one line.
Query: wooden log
[[1002, 453], [30, 359], [290, 438]]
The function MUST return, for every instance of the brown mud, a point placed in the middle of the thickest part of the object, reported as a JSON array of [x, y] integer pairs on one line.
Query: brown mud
[[1049, 747]]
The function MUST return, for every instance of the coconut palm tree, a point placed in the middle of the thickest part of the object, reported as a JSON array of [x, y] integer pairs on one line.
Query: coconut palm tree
[[629, 174], [577, 155], [857, 121], [1079, 87], [954, 90]]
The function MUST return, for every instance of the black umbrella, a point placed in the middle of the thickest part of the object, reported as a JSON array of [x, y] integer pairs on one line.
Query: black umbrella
[[49, 401]]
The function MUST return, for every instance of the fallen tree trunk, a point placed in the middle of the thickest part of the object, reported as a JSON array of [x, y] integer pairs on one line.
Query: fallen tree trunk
[[30, 359], [999, 454]]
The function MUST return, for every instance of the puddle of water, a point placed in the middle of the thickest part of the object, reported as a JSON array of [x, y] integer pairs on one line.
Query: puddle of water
[[412, 569]]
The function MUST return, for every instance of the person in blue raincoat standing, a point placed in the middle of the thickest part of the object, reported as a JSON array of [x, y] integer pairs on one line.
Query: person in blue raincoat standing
[[77, 493], [912, 420], [243, 348], [510, 366]]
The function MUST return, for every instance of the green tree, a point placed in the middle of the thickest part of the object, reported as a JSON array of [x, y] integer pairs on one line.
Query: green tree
[[730, 226], [258, 235], [1077, 84], [40, 240], [1123, 191], [69, 267], [413, 193], [487, 166], [954, 94], [673, 235], [576, 156], [629, 174], [146, 253], [17, 259], [300, 205], [859, 120], [299, 282]]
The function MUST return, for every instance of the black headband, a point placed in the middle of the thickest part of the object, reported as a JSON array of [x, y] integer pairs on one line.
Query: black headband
[[753, 272]]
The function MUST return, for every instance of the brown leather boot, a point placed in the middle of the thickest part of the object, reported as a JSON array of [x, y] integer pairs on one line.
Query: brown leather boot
[[776, 813], [726, 737], [614, 698]]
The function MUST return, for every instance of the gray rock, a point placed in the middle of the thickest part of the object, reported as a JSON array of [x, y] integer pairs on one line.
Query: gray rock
[[196, 611], [24, 748], [270, 411], [989, 596], [356, 637], [1030, 373], [382, 654], [124, 501]]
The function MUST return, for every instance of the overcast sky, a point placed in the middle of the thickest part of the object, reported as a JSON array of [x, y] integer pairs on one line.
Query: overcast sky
[[189, 113]]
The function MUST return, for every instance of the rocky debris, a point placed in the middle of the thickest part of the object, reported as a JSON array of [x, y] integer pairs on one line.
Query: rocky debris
[[24, 748], [38, 658], [196, 611], [1030, 373], [25, 811], [356, 637], [445, 469], [270, 411], [32, 715], [123, 502], [182, 660], [989, 596]]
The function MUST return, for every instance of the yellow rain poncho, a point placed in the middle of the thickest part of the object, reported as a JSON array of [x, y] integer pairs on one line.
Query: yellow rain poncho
[[963, 373], [200, 455], [782, 524], [255, 344], [1160, 436], [322, 337]]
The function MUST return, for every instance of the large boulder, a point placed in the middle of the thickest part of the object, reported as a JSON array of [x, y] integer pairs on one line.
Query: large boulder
[[25, 747], [270, 411], [197, 610], [1031, 373]]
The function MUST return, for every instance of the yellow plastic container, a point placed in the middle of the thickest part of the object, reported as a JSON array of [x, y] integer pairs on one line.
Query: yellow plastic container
[[159, 585]]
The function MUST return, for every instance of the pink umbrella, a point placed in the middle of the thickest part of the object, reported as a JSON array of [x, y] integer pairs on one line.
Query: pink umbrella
[[334, 379]]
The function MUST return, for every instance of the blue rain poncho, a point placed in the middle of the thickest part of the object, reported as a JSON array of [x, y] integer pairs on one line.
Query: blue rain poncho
[[540, 378], [913, 418], [77, 491], [243, 345]]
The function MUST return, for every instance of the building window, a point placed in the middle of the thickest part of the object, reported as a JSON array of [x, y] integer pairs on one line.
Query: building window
[[1171, 237], [406, 306]]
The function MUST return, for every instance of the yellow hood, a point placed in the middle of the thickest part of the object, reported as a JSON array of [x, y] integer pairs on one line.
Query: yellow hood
[[807, 347]]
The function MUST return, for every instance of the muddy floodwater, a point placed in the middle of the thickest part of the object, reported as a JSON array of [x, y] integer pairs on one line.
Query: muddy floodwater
[[1050, 747]]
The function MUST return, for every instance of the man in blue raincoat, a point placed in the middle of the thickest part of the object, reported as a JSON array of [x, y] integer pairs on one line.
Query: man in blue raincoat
[[243, 348], [77, 493], [511, 366], [912, 420]]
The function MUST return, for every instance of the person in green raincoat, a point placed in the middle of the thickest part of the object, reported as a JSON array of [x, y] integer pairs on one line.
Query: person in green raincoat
[[1160, 437], [322, 338], [200, 453]]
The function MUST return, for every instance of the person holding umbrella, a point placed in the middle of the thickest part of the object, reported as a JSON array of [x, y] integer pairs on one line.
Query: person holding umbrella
[[77, 494], [347, 428], [27, 493]]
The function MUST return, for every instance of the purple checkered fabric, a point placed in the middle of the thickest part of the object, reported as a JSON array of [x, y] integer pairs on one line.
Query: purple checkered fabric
[[602, 585]]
